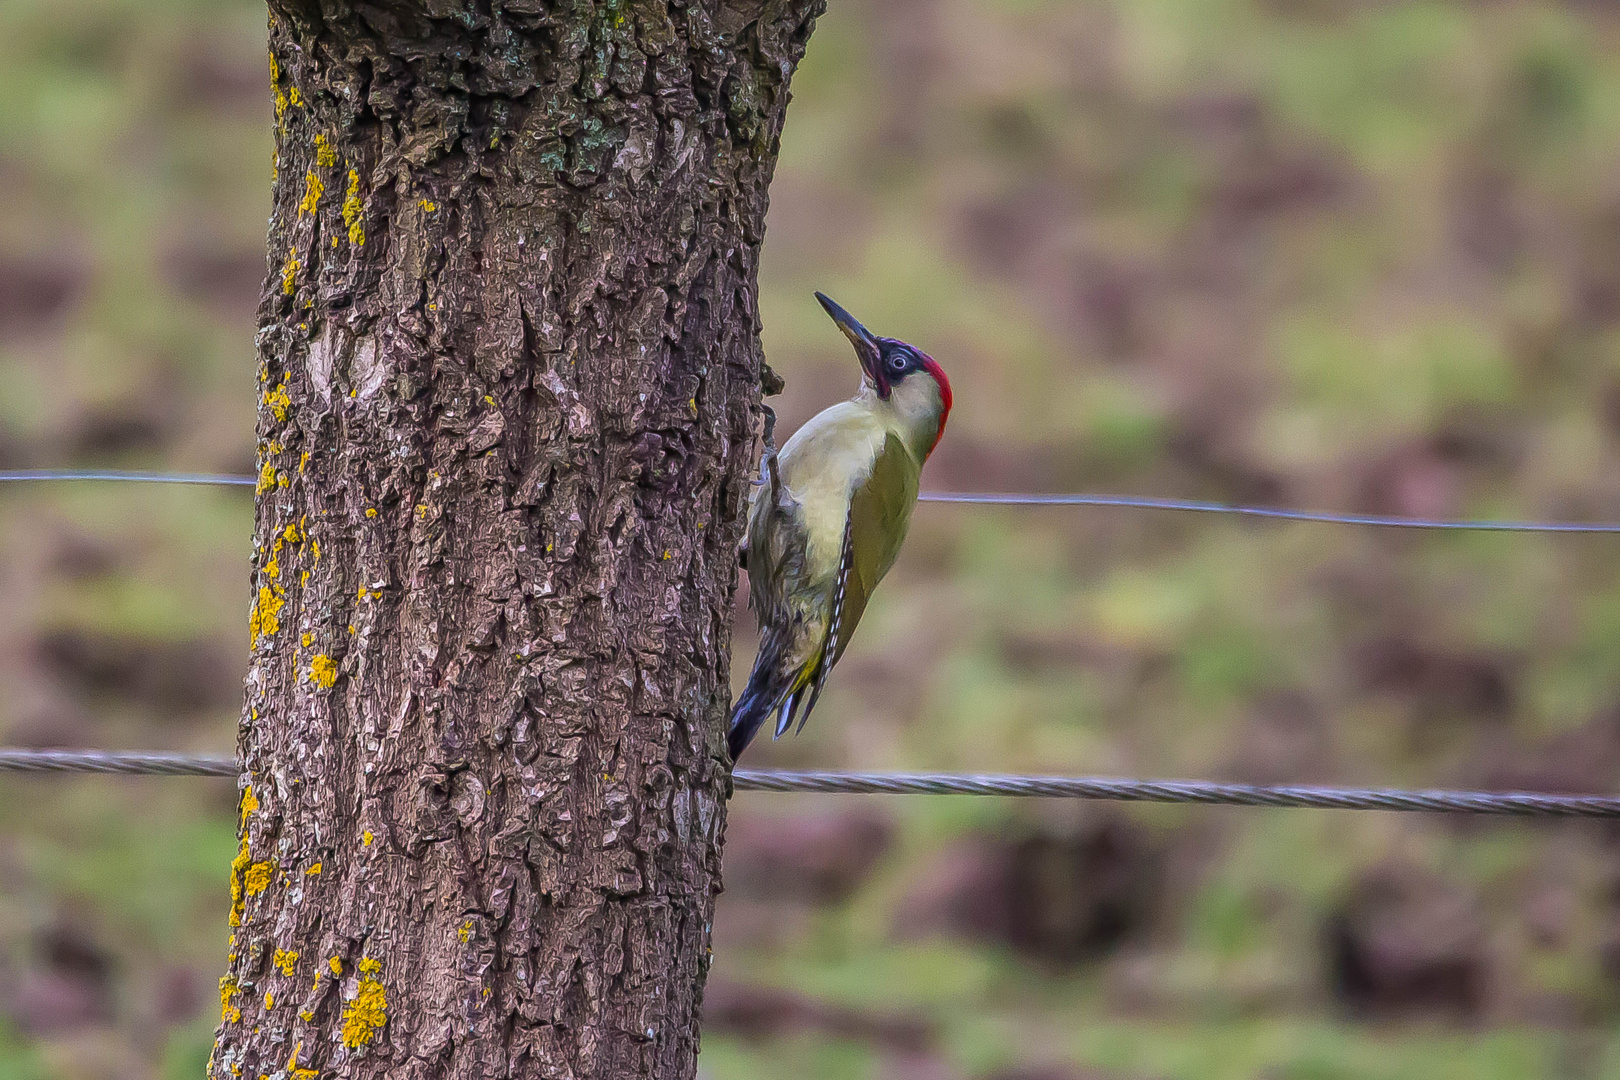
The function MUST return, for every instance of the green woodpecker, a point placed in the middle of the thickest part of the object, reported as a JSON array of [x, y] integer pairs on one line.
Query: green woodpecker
[[827, 520]]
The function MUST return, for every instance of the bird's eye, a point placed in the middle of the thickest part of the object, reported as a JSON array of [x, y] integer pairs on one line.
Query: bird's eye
[[897, 363]]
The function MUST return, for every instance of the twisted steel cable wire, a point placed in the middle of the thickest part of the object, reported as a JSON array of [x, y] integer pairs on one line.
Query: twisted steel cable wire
[[1510, 803], [17, 476], [119, 762]]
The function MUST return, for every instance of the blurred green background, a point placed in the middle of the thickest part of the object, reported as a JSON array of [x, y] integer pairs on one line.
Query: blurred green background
[[1337, 254]]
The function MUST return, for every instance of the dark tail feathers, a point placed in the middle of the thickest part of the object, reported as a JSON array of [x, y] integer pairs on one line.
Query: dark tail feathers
[[767, 693]]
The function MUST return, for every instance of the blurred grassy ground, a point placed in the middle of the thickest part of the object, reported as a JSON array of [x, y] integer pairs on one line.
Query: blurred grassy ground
[[1326, 253]]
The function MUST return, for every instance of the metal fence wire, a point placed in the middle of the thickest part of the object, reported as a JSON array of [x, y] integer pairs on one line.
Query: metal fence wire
[[1209, 793], [998, 498], [1204, 792]]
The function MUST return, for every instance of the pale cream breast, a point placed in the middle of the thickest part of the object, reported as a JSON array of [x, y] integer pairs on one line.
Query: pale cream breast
[[820, 465]]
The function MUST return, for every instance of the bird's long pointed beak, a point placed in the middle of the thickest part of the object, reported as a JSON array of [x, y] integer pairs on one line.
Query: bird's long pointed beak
[[866, 346]]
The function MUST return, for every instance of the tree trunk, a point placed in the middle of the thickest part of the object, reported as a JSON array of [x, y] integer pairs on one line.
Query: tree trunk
[[510, 368]]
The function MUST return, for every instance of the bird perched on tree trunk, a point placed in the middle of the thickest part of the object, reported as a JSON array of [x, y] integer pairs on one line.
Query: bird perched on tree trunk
[[827, 521]]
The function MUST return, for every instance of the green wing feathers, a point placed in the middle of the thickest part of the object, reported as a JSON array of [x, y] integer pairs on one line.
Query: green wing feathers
[[810, 611], [879, 515]]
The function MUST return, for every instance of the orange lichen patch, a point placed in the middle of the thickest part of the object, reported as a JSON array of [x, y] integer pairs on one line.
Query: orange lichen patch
[[263, 621], [258, 877], [352, 210], [366, 1014], [289, 272], [285, 960], [313, 190], [323, 671], [277, 400], [324, 156], [228, 1012]]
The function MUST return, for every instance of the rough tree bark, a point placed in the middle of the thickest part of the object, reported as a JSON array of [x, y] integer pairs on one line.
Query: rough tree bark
[[510, 368]]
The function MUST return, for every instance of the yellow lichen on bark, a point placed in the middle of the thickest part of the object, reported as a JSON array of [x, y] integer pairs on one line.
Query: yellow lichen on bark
[[275, 87], [277, 400], [324, 156], [289, 272], [263, 621], [239, 865], [313, 190], [228, 1012], [323, 671], [258, 877], [293, 1071], [352, 210], [366, 1014], [285, 960]]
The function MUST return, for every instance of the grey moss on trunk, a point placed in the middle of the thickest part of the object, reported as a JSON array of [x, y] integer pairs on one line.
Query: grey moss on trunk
[[509, 369]]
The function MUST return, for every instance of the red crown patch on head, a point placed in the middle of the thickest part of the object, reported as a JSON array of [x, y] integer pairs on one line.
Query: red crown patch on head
[[930, 365]]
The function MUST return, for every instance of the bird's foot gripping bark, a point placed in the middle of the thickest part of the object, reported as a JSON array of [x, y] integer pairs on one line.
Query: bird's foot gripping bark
[[769, 473], [772, 470]]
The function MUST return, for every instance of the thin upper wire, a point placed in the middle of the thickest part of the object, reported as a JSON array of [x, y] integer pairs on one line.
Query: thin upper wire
[[120, 475], [1209, 793], [1134, 502], [1141, 502]]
